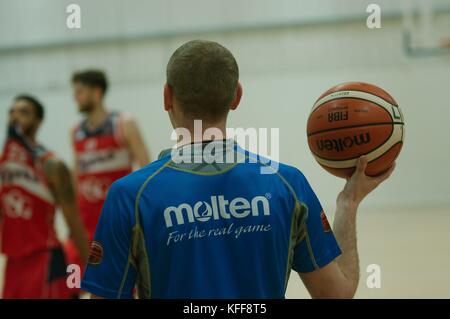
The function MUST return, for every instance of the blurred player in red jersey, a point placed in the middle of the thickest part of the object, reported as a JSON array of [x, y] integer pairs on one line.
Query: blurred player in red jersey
[[106, 145], [32, 183]]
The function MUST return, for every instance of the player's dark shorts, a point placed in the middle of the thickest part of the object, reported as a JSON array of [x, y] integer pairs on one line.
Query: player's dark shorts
[[39, 275]]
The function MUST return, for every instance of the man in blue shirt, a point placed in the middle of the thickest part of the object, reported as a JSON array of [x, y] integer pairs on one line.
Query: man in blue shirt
[[195, 224]]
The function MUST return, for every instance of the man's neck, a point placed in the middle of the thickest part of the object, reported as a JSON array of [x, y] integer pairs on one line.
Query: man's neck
[[201, 133], [96, 117], [30, 139]]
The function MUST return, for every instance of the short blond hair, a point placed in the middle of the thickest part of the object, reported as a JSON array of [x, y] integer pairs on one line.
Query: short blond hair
[[204, 77]]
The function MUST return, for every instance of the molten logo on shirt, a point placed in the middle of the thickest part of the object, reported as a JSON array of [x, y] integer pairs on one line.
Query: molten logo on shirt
[[218, 207], [95, 253]]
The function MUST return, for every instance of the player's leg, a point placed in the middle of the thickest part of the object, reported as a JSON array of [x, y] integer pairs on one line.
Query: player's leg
[[39, 275], [3, 261], [25, 276]]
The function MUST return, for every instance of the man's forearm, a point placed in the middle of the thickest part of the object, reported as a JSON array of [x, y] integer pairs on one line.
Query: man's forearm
[[345, 232], [339, 279], [66, 198], [64, 192], [77, 230]]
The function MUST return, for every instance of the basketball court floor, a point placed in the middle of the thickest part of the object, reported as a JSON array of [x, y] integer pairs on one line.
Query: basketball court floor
[[411, 248]]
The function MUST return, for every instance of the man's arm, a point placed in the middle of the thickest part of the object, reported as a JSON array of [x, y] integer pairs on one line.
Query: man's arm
[[62, 186], [339, 279], [133, 138]]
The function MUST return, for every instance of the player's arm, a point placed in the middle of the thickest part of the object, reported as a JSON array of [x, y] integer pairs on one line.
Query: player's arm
[[136, 145], [62, 186], [339, 279], [75, 164]]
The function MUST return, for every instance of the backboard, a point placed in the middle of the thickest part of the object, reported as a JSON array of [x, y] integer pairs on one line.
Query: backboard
[[426, 27]]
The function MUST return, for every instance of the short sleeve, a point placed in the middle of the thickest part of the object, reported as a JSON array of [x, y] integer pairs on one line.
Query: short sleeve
[[109, 273], [319, 246]]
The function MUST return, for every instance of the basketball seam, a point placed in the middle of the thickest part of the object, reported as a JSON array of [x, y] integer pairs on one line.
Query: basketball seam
[[352, 98], [315, 108], [400, 142], [346, 159], [396, 105], [354, 126], [374, 150]]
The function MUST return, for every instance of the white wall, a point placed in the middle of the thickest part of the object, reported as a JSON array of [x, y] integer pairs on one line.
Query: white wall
[[43, 21], [283, 70]]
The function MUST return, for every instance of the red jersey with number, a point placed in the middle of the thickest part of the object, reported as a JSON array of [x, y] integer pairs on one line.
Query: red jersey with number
[[102, 157], [27, 205]]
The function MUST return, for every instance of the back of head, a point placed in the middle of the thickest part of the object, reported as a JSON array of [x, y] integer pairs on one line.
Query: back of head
[[204, 77]]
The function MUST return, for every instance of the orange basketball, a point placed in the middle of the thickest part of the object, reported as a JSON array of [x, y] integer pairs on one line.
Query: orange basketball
[[354, 119]]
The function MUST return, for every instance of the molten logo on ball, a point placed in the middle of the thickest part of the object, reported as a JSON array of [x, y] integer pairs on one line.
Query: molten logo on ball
[[341, 144]]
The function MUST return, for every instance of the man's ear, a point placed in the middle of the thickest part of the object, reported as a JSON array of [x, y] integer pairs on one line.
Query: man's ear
[[237, 99], [168, 97]]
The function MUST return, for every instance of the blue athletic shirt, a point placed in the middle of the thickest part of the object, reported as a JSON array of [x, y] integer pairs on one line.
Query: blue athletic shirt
[[203, 221]]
